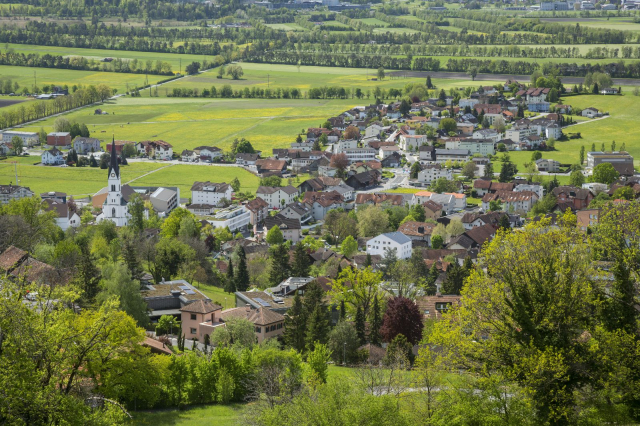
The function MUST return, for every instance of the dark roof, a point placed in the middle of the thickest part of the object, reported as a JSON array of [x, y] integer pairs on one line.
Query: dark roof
[[256, 204], [11, 257], [218, 187], [114, 166], [480, 234], [572, 192], [281, 222], [416, 229]]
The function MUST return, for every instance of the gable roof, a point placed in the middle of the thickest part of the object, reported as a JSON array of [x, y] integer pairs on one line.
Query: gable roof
[[11, 257], [398, 237], [200, 307], [416, 229], [281, 222]]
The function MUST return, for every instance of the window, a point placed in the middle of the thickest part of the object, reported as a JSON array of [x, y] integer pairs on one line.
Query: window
[[442, 306], [113, 212], [194, 331], [258, 329], [193, 316], [113, 188], [426, 312]]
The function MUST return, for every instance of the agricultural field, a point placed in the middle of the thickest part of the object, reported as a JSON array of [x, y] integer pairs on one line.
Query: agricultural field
[[174, 59], [611, 23], [307, 77], [24, 76], [188, 122], [220, 415], [287, 27]]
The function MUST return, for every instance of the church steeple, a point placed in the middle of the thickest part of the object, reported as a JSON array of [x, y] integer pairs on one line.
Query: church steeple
[[113, 166]]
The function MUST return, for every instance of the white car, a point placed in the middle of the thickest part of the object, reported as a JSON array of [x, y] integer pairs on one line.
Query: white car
[[32, 295]]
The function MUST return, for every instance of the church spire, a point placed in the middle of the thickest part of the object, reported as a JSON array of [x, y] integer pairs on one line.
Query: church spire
[[114, 159]]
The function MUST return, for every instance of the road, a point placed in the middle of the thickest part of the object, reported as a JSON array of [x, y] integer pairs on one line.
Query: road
[[502, 77]]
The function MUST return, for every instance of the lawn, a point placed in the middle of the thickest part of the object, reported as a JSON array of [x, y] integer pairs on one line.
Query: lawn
[[189, 122], [220, 415], [74, 181], [24, 76]]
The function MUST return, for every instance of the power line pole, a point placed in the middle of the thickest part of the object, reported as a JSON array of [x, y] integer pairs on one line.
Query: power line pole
[[267, 81]]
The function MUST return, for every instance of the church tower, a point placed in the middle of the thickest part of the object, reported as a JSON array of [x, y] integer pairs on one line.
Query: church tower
[[115, 206]]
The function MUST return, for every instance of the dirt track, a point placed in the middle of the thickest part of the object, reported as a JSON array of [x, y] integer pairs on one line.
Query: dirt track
[[503, 77]]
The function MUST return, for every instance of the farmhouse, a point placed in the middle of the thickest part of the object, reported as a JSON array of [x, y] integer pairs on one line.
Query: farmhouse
[[52, 157]]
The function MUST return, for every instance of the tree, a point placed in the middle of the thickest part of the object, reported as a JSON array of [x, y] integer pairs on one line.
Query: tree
[[241, 278], [271, 181], [279, 266], [193, 68], [360, 326], [488, 171], [372, 221], [343, 343], [130, 254], [340, 225], [274, 236], [576, 178], [357, 288], [495, 205], [295, 323], [301, 263], [595, 89], [415, 170], [116, 282], [381, 73], [376, 323], [230, 282], [167, 324], [581, 154], [340, 162], [455, 228], [238, 332], [448, 125], [442, 185], [172, 225], [437, 241], [235, 184], [429, 83], [536, 155], [472, 72], [235, 71], [504, 223], [317, 326], [136, 211], [405, 107], [318, 361], [624, 193], [469, 169], [349, 246], [352, 132], [402, 317], [17, 145], [604, 173], [508, 171]]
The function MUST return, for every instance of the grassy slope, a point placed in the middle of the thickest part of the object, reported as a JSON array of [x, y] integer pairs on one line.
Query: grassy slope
[[219, 415]]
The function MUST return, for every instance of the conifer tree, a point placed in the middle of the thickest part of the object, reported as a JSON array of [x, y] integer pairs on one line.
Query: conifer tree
[[343, 311], [430, 285], [242, 273], [279, 269], [230, 283], [131, 259], [360, 326], [367, 261], [376, 323], [317, 327], [295, 325], [301, 264]]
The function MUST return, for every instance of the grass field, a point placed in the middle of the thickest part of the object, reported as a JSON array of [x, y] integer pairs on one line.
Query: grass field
[[24, 76], [87, 181], [186, 123], [220, 415]]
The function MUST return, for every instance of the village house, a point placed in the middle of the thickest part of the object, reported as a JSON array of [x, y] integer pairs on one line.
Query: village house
[[323, 202], [491, 135], [393, 160], [297, 210], [417, 231], [515, 202], [269, 166], [199, 319], [65, 217], [578, 198], [258, 210], [208, 153], [432, 172], [433, 307], [168, 297], [591, 112], [277, 197], [159, 150], [59, 139], [411, 142], [364, 180], [291, 229], [52, 157], [379, 199], [390, 241], [188, 156], [85, 146], [472, 238], [119, 146], [29, 139], [247, 159], [548, 165], [267, 324], [587, 218], [210, 193], [234, 217], [432, 210], [386, 151]]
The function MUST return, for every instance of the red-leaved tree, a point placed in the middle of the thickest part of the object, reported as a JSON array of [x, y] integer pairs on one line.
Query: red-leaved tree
[[402, 317]]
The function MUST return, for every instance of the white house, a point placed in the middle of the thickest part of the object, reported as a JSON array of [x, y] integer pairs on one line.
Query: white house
[[52, 157], [487, 134], [360, 154], [536, 189], [591, 112], [411, 141], [208, 152], [347, 192], [28, 138], [432, 172], [475, 146], [65, 217], [234, 217], [468, 102], [343, 145], [210, 193], [277, 197], [447, 201], [386, 151], [553, 131], [390, 241], [189, 156]]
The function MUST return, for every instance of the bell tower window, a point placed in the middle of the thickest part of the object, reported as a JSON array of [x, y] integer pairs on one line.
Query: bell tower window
[[113, 188], [113, 212]]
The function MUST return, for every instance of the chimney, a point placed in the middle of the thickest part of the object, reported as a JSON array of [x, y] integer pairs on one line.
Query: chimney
[[175, 293], [247, 307]]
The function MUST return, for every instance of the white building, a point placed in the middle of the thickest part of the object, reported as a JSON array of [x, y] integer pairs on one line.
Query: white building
[[487, 134], [210, 193], [360, 154], [444, 155], [52, 157], [277, 197], [536, 189], [115, 207], [208, 152], [343, 145], [433, 172], [234, 217], [13, 192], [386, 151], [407, 142], [65, 217], [390, 241], [474, 146], [28, 138], [468, 102], [553, 131]]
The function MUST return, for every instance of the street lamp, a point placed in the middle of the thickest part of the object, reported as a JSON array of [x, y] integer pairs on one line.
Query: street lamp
[[344, 353]]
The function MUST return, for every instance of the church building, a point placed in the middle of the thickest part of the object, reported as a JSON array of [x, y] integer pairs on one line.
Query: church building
[[115, 207]]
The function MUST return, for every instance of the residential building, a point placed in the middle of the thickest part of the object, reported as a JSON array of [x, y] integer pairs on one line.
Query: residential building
[[468, 102], [29, 139], [297, 210], [364, 180], [555, 6], [360, 154], [516, 202], [267, 323], [189, 156], [432, 210], [59, 139], [200, 318], [417, 231], [393, 160], [320, 183], [474, 146], [591, 112], [548, 165], [58, 197], [379, 199], [258, 210], [277, 197], [343, 145], [65, 217], [86, 146], [236, 218], [210, 193], [472, 238], [432, 172], [553, 131], [386, 151], [119, 146], [247, 159], [390, 241], [486, 135], [291, 229], [587, 218], [323, 202], [269, 166], [347, 192], [427, 154], [302, 146], [537, 189], [444, 155], [447, 201], [411, 142], [208, 153], [52, 157], [164, 200], [577, 198], [488, 108], [260, 299], [534, 94], [433, 307], [160, 150]]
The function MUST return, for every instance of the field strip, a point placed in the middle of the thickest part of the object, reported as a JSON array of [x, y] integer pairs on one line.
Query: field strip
[[248, 128], [266, 118], [590, 121], [148, 173]]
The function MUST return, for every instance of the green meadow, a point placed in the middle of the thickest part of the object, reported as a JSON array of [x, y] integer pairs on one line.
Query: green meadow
[[28, 76]]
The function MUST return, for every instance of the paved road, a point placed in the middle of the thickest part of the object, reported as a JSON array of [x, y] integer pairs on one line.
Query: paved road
[[502, 77]]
